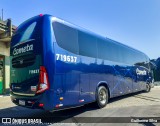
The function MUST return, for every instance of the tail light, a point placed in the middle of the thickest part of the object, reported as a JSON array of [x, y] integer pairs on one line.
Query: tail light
[[43, 80]]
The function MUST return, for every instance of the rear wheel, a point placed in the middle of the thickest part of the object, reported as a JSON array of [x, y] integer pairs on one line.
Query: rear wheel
[[102, 97]]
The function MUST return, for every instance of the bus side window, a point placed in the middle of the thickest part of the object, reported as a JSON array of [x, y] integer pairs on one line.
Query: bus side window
[[66, 37], [87, 45]]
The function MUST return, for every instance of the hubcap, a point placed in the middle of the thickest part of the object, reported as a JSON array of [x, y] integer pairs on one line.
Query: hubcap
[[102, 96]]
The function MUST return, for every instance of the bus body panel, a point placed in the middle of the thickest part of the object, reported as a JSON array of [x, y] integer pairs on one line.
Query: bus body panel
[[48, 62]]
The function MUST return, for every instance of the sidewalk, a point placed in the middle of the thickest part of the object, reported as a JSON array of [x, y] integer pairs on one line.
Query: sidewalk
[[4, 95], [156, 87]]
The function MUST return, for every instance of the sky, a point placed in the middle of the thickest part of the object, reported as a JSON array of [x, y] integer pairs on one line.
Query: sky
[[135, 23]]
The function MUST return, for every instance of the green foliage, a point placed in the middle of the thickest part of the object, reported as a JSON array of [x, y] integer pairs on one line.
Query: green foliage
[[156, 72]]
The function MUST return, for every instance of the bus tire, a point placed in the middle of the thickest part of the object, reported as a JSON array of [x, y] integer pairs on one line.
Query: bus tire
[[101, 97], [148, 88]]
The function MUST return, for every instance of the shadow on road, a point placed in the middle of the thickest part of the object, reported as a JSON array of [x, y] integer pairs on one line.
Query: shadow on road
[[57, 116], [125, 96]]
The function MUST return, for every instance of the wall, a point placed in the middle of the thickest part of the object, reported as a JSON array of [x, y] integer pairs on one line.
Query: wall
[[5, 51], [7, 72]]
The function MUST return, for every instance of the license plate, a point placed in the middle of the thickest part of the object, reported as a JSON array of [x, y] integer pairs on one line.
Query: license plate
[[21, 102]]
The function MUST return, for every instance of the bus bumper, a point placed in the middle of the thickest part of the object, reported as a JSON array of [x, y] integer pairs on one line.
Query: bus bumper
[[34, 102]]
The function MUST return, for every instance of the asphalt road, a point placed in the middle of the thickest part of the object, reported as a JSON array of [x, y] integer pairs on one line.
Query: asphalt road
[[130, 108]]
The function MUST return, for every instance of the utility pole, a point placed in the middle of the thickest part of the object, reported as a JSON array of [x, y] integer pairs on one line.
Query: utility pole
[[9, 25], [2, 14]]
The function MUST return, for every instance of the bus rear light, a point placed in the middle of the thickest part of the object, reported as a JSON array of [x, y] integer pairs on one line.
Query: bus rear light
[[41, 105], [40, 15], [43, 80]]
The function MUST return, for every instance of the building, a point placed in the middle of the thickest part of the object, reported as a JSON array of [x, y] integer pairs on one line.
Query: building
[[6, 31]]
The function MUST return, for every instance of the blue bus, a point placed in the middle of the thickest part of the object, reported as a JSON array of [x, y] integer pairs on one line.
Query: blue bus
[[56, 65]]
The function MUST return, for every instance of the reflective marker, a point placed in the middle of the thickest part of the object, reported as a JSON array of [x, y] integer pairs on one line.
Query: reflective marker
[[61, 98], [41, 105]]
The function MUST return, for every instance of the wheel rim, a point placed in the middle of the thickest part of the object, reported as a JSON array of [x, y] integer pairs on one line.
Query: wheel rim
[[102, 96]]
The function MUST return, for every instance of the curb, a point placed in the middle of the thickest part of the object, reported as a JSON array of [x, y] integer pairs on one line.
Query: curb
[[4, 95]]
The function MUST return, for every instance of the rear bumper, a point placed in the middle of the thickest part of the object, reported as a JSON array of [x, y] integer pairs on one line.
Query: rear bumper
[[29, 102], [47, 101]]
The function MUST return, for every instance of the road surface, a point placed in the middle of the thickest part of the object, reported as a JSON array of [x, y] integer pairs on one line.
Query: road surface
[[139, 108]]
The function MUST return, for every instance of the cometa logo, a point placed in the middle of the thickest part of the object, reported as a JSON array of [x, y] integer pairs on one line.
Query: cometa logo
[[23, 49]]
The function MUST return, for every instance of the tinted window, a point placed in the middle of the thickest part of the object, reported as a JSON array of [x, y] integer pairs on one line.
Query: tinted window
[[102, 49], [119, 52], [66, 37], [126, 54], [29, 30], [141, 60], [87, 45], [131, 56], [109, 50]]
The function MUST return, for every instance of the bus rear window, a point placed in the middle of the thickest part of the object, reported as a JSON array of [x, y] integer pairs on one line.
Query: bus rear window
[[29, 30]]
